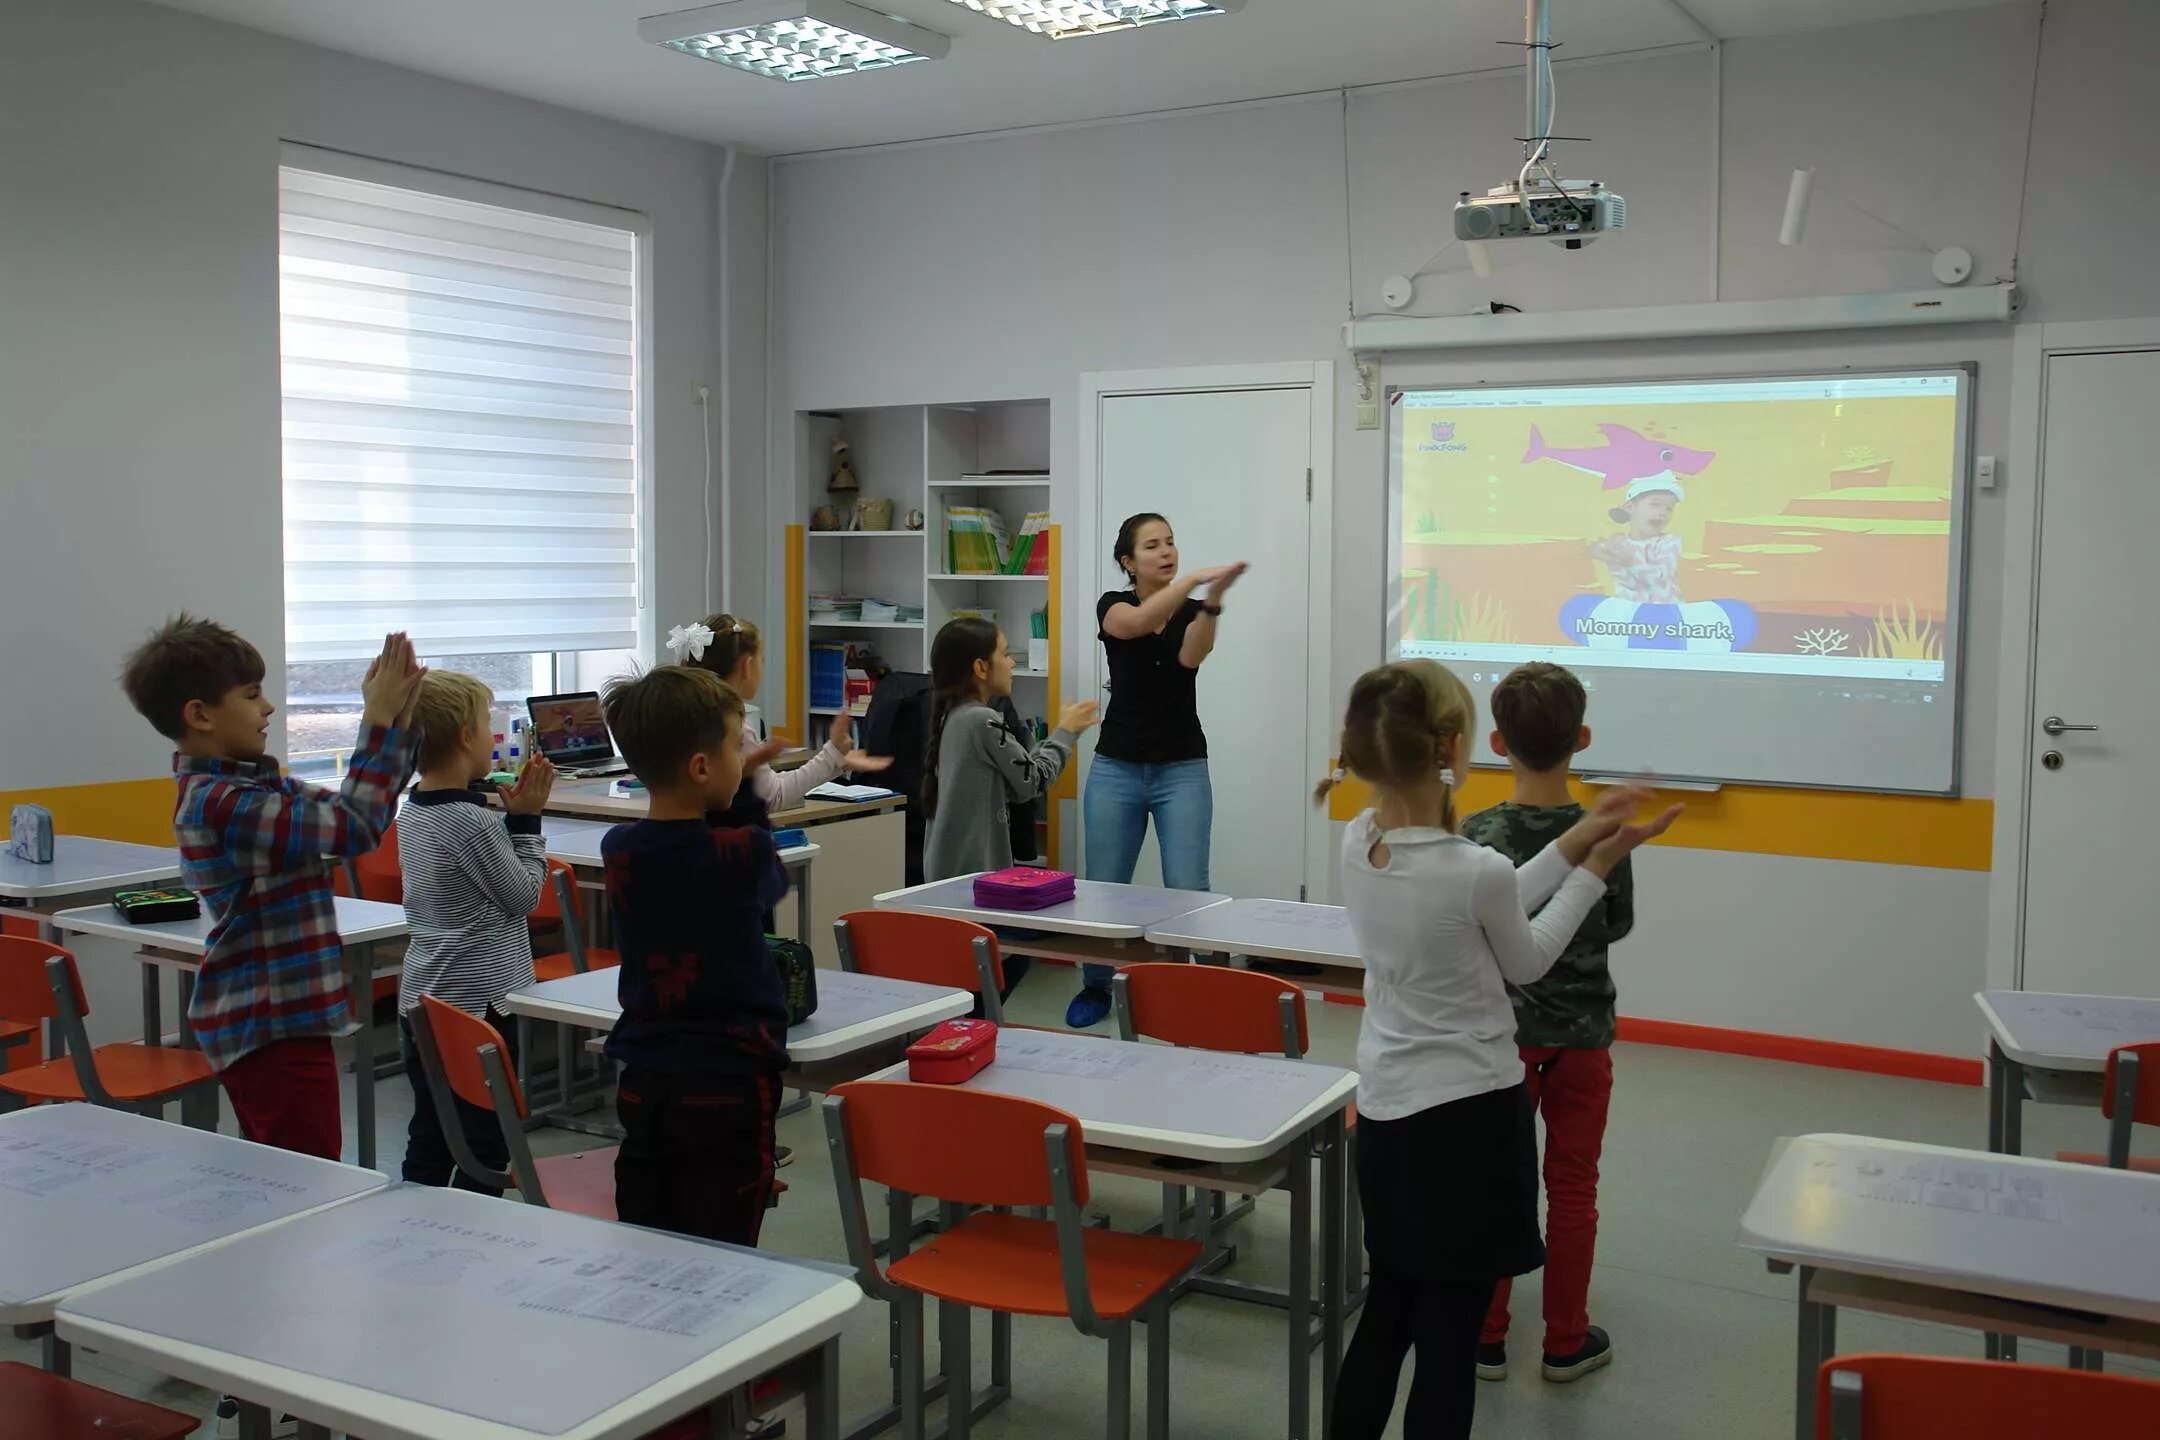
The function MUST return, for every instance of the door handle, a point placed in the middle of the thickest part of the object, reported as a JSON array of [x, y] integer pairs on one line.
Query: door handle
[[2056, 725]]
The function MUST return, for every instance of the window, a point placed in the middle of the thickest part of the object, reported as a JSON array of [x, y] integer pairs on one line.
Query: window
[[461, 442]]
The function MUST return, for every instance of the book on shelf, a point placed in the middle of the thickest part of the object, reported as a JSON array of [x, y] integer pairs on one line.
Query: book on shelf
[[1031, 550], [976, 542]]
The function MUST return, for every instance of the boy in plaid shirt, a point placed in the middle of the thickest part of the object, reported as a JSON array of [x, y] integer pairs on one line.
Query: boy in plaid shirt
[[257, 845]]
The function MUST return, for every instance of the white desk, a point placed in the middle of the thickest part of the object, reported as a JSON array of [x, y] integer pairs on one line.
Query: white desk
[[1992, 1242], [1271, 930], [179, 945], [429, 1313], [1158, 1101], [86, 1194], [1096, 926], [2053, 1048], [860, 1020], [84, 866]]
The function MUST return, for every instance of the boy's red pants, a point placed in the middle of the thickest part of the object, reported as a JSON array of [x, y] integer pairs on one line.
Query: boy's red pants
[[1572, 1089], [286, 1095]]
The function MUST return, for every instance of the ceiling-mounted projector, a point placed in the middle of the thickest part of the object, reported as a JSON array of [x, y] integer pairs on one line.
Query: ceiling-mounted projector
[[1570, 213], [1539, 205]]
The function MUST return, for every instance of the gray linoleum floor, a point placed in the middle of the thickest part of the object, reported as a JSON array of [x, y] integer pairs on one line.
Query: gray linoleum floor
[[1703, 1336]]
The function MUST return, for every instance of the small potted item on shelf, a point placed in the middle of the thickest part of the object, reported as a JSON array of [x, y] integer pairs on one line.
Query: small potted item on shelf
[[873, 515], [824, 518]]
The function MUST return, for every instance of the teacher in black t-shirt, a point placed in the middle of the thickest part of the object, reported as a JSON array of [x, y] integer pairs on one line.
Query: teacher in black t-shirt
[[1151, 761]]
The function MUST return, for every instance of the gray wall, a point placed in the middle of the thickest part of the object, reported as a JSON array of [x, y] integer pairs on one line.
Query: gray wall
[[139, 330]]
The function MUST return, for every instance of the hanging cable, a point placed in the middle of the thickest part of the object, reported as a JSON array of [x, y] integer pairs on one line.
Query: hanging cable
[[2032, 114]]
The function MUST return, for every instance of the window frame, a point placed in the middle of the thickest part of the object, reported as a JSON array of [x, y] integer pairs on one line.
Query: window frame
[[561, 207]]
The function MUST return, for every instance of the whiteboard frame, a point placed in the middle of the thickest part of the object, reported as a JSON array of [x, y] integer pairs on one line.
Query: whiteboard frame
[[1968, 377]]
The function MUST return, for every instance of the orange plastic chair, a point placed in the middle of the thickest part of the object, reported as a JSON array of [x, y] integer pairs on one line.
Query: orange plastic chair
[[1921, 1397], [2129, 1097], [463, 1058], [376, 876], [561, 904], [1210, 1007], [13, 1033], [377, 873], [39, 982], [972, 1148], [1213, 1007], [38, 1405], [928, 949]]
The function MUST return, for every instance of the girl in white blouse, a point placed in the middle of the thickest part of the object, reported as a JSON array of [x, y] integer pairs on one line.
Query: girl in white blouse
[[1447, 1158]]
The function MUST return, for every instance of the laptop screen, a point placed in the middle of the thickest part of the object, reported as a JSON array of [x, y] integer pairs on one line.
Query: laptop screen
[[569, 729]]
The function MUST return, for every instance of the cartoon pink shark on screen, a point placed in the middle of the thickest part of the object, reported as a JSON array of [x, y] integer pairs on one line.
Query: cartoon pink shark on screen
[[1624, 458]]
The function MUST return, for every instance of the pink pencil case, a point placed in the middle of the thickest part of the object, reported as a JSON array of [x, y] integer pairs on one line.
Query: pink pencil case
[[1023, 887]]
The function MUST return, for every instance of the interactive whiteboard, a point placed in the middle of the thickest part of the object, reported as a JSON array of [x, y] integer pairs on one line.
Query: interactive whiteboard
[[1757, 579]]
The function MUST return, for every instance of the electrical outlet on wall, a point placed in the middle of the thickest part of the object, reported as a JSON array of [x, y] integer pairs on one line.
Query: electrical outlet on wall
[[1368, 415]]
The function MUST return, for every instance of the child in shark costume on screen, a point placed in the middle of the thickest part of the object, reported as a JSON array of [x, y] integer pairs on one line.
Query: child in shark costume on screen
[[1645, 610]]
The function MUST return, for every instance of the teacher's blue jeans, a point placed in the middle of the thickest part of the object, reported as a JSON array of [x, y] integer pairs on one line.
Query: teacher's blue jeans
[[1120, 799]]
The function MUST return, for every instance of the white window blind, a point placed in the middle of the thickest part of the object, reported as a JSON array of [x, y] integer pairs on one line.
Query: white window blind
[[460, 424]]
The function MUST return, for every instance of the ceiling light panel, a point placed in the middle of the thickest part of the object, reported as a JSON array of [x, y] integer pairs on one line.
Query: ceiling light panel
[[794, 39], [1064, 19]]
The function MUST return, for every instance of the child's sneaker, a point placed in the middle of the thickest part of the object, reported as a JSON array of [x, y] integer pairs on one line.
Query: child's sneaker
[[1492, 1361], [1595, 1353]]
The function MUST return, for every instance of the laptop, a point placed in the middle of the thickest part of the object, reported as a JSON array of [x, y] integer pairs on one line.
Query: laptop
[[572, 733]]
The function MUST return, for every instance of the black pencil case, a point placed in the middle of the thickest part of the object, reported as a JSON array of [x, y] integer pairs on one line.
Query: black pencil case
[[144, 907]]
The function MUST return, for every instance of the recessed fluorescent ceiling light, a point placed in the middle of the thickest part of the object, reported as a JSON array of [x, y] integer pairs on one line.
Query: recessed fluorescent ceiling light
[[1063, 19], [794, 39]]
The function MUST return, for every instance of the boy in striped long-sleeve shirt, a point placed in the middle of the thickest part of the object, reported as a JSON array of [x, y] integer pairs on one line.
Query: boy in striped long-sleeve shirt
[[471, 879], [258, 845]]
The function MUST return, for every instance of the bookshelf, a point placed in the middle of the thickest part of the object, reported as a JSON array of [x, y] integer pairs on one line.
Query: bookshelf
[[925, 458]]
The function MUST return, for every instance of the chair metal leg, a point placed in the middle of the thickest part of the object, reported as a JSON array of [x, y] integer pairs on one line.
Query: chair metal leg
[[954, 1327], [1158, 1369], [909, 1312], [1001, 1353], [1119, 1422]]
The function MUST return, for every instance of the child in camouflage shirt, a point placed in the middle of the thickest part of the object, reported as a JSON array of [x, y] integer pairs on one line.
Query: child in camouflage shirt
[[1563, 1022]]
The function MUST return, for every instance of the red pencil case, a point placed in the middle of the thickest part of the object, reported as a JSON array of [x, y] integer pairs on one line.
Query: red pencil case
[[953, 1052], [1023, 887]]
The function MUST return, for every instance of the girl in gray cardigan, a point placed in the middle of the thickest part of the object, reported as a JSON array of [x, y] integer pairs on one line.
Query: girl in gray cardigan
[[976, 768]]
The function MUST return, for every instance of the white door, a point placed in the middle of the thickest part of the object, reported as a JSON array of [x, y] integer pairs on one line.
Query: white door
[[2094, 792], [1229, 468]]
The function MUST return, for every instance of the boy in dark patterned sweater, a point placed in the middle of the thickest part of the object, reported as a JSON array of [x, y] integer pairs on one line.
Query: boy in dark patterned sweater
[[703, 1034], [1564, 1022]]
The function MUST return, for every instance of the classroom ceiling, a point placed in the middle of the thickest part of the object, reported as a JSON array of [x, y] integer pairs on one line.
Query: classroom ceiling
[[586, 54]]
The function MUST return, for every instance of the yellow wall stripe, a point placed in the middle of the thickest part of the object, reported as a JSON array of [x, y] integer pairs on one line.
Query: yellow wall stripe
[[798, 629], [1063, 789], [139, 811], [1924, 830]]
